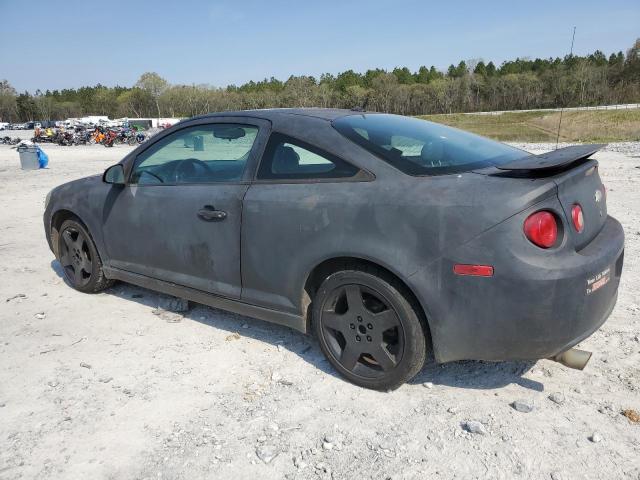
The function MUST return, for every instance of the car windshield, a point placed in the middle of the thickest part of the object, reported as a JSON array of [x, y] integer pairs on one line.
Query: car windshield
[[420, 147]]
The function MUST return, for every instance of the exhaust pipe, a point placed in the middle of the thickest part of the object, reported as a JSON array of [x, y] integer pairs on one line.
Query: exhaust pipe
[[573, 358]]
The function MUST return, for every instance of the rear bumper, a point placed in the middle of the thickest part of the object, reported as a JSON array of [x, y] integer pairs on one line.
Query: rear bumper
[[535, 306]]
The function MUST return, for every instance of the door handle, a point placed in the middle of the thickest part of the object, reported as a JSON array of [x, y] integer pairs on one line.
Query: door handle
[[209, 213]]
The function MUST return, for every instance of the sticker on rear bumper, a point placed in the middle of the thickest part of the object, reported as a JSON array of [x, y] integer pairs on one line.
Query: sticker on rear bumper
[[598, 281]]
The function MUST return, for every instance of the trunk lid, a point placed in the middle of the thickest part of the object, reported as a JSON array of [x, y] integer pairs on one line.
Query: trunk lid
[[578, 182], [582, 186]]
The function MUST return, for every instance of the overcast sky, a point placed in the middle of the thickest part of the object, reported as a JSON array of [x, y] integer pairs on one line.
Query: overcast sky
[[50, 45]]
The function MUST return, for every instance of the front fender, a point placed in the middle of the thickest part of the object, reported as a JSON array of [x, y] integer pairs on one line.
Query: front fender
[[84, 198]]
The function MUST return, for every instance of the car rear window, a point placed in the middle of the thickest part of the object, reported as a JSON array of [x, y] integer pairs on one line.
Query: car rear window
[[420, 147]]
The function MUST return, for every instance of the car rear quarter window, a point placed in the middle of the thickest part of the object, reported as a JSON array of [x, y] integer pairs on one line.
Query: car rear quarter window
[[207, 153], [287, 158], [419, 147]]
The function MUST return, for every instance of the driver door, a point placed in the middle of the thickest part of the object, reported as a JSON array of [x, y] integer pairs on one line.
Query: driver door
[[178, 217]]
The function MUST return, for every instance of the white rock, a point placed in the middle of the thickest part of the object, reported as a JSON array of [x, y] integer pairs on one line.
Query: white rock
[[557, 397], [524, 406], [299, 463], [330, 438], [472, 426], [427, 385], [266, 453], [595, 437]]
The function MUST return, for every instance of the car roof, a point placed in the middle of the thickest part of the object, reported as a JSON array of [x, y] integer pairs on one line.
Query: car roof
[[328, 114]]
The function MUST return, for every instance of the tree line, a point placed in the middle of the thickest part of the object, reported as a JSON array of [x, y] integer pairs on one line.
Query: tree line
[[469, 86]]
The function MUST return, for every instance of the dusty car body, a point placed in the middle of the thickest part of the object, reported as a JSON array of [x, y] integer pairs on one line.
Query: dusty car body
[[261, 235]]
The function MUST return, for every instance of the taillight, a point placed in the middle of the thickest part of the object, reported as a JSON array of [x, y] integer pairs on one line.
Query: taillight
[[541, 229], [577, 217]]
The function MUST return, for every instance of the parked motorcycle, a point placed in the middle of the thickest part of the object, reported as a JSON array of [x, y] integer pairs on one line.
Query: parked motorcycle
[[65, 139], [97, 136], [82, 137], [10, 141], [110, 138]]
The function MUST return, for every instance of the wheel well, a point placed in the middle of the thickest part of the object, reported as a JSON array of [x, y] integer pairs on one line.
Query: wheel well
[[61, 216], [333, 265], [57, 219]]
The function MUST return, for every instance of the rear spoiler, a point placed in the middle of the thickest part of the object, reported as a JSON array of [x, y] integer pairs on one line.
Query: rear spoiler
[[555, 160]]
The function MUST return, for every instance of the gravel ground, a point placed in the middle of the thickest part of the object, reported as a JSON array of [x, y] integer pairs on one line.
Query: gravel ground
[[107, 386]]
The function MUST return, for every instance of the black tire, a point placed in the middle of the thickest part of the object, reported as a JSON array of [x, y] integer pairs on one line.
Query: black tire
[[80, 259], [377, 340]]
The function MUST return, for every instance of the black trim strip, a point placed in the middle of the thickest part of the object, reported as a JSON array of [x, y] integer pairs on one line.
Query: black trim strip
[[292, 320]]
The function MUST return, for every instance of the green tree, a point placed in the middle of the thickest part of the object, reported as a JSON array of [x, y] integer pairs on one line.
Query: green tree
[[154, 85], [632, 63], [481, 69], [403, 75], [8, 105]]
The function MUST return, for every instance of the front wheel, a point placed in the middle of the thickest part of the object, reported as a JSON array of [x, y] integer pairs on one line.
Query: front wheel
[[79, 258], [368, 329]]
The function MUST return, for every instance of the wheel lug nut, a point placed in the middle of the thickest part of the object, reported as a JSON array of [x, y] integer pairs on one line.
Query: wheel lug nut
[[368, 338], [352, 326], [369, 326], [359, 319], [358, 338]]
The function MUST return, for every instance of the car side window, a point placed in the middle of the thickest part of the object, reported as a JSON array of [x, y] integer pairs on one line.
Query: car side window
[[287, 158], [201, 154]]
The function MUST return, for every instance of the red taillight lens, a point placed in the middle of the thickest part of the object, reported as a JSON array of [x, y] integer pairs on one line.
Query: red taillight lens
[[577, 217], [541, 229]]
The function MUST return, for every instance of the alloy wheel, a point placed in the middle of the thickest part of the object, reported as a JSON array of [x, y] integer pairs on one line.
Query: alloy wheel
[[362, 331], [75, 256]]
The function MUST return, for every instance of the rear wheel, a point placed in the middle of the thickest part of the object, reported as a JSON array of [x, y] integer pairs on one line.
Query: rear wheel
[[368, 329], [79, 258]]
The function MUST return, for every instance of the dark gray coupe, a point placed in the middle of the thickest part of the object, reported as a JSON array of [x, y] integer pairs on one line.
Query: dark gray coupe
[[385, 235]]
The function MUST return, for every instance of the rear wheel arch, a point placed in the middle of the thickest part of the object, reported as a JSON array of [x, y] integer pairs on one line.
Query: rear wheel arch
[[333, 265]]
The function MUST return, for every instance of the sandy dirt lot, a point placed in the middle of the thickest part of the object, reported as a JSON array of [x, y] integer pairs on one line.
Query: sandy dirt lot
[[100, 387]]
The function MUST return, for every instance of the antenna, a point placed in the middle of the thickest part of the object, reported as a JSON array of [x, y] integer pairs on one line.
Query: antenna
[[562, 107]]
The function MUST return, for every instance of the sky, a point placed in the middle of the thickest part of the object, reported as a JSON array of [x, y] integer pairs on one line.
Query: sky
[[68, 44]]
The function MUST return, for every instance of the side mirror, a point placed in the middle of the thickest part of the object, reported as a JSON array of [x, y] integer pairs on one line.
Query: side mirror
[[114, 175]]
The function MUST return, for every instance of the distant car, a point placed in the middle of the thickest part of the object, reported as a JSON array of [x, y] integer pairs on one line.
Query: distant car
[[384, 235], [4, 125]]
